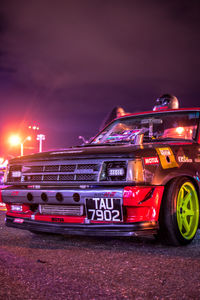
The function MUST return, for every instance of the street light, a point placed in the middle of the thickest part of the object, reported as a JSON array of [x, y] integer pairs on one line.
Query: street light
[[15, 140], [40, 138], [28, 138]]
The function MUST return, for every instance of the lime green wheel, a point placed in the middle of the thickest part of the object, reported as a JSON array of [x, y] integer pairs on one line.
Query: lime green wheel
[[179, 215], [187, 210]]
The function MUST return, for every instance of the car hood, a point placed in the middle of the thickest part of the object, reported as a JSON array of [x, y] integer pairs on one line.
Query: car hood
[[94, 151]]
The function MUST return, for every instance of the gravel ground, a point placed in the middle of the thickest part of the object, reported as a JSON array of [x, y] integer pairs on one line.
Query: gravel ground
[[59, 267]]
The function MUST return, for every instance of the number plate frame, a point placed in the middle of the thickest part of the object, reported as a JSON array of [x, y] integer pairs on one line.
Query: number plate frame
[[104, 209]]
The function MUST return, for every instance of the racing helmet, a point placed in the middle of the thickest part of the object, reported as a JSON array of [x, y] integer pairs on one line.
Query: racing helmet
[[166, 101]]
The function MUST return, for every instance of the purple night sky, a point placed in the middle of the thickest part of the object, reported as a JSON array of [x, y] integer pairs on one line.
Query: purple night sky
[[66, 64]]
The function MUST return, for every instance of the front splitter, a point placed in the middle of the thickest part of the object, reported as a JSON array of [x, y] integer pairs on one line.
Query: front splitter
[[115, 230]]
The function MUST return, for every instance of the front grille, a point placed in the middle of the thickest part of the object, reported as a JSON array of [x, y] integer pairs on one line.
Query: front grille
[[65, 210], [81, 171], [50, 177], [33, 178], [33, 169], [67, 168], [88, 167], [85, 177], [51, 168], [66, 177]]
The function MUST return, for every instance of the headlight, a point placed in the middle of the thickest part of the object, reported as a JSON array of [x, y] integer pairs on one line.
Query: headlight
[[13, 173], [114, 171], [130, 171], [16, 207]]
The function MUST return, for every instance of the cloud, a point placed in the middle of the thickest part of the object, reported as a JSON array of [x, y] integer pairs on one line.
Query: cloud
[[57, 44], [70, 62]]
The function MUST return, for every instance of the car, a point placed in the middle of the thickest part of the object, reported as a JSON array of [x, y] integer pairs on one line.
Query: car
[[139, 176]]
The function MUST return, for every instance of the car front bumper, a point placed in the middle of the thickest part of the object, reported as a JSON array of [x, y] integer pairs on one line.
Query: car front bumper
[[100, 229]]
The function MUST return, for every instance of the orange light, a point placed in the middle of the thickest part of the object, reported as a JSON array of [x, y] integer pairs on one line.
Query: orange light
[[14, 140]]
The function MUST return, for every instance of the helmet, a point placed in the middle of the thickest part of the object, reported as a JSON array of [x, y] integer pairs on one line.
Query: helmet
[[166, 101]]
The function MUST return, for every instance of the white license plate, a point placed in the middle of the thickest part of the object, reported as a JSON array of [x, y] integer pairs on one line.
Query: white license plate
[[104, 209]]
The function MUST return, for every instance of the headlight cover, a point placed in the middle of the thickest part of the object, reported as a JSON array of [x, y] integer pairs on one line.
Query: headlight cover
[[114, 171], [130, 171]]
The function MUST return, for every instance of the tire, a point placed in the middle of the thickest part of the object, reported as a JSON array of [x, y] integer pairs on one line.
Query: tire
[[179, 215]]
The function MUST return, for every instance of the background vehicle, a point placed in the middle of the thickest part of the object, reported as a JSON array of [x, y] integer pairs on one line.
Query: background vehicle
[[138, 176]]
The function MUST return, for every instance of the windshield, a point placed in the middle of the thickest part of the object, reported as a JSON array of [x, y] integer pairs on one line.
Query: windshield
[[153, 127]]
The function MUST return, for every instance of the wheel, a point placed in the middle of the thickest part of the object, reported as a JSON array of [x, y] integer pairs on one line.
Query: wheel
[[179, 215]]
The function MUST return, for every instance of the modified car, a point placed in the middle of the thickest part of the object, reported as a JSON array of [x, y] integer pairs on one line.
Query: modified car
[[139, 176]]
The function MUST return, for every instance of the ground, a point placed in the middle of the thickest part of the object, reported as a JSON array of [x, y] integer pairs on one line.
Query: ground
[[59, 267]]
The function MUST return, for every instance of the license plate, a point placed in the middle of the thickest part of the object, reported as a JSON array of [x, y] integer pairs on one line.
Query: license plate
[[104, 209]]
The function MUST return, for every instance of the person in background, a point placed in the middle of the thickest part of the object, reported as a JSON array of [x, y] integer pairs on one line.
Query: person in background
[[116, 112]]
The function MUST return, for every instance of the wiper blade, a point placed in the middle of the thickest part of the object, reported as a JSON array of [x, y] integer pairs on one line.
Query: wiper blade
[[169, 139]]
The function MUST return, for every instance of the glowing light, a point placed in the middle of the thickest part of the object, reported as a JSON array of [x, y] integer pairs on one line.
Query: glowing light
[[40, 138], [34, 127], [14, 140], [180, 130]]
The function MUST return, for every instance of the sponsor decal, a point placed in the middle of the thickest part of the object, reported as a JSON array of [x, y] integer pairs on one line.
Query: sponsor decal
[[184, 159], [109, 194], [18, 220], [165, 152], [167, 158], [151, 160], [59, 220]]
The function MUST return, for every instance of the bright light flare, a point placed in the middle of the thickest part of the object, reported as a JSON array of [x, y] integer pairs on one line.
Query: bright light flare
[[14, 140], [180, 130]]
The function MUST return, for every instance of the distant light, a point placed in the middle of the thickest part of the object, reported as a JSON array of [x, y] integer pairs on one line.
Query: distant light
[[28, 138], [34, 127], [40, 137]]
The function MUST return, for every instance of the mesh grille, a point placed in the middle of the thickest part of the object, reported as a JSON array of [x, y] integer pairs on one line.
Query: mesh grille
[[83, 170], [88, 166], [15, 168], [65, 210], [85, 177], [51, 168], [33, 169], [66, 177], [67, 168], [50, 177], [34, 178]]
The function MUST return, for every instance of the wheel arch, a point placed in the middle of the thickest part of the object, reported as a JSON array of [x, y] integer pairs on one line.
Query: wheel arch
[[167, 184]]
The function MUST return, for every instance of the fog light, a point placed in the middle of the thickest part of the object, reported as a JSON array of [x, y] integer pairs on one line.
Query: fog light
[[15, 207], [116, 172]]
